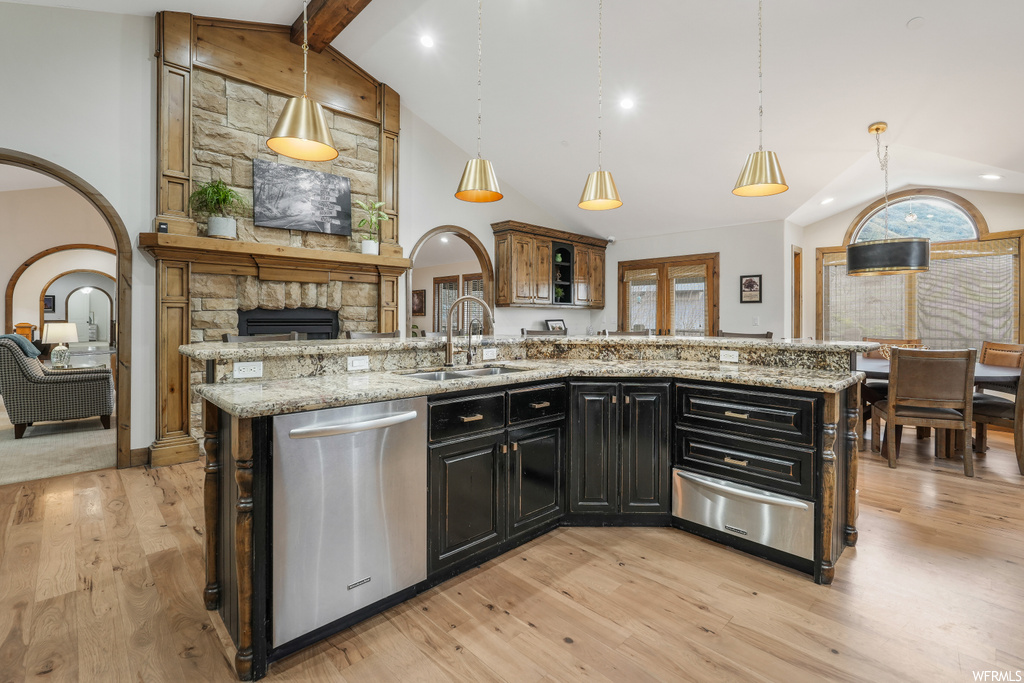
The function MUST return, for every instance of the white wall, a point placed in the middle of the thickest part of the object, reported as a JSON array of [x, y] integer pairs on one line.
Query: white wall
[[79, 89], [423, 278], [429, 170], [1002, 211], [25, 302], [743, 250], [69, 283], [32, 221]]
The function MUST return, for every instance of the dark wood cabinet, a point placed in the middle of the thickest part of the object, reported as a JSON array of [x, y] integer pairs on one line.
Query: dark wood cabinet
[[535, 495], [619, 454]]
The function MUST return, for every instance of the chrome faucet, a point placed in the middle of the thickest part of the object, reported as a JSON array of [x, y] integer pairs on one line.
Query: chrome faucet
[[449, 349]]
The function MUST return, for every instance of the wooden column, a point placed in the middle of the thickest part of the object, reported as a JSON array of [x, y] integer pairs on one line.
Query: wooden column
[[387, 312], [241, 451], [173, 443], [387, 167], [853, 410], [174, 121], [828, 490], [211, 503]]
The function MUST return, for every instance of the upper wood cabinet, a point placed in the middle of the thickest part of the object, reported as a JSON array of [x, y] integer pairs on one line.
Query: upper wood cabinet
[[538, 266]]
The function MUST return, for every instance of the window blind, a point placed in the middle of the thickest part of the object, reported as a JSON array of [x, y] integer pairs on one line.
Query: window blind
[[689, 298], [473, 285], [642, 298], [446, 290]]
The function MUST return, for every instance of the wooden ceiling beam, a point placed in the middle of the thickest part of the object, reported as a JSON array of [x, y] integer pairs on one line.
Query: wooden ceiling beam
[[327, 18]]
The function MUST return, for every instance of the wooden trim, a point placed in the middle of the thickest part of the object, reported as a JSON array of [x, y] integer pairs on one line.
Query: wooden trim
[[553, 234], [486, 269], [123, 243], [828, 489], [326, 20], [42, 293], [13, 282], [853, 419], [968, 207], [710, 261], [241, 451], [798, 292], [211, 502]]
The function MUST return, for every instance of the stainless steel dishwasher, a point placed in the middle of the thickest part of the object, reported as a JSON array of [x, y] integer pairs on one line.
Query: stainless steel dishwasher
[[349, 511]]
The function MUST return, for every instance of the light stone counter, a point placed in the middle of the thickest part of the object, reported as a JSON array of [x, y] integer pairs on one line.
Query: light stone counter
[[275, 397]]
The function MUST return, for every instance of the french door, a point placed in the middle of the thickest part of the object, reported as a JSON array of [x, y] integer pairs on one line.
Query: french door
[[675, 295]]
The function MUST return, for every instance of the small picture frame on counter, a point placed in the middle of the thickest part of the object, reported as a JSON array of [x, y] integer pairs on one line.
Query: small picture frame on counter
[[750, 289], [555, 325]]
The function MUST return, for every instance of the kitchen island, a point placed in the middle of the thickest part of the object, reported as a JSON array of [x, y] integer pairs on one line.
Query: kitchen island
[[782, 419]]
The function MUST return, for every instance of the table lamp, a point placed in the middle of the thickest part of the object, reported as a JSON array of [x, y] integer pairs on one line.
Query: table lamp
[[60, 334]]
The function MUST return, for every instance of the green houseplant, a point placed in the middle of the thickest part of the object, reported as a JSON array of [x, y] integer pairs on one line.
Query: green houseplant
[[374, 217], [220, 203]]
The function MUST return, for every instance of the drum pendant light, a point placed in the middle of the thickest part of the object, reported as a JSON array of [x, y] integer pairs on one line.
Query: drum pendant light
[[761, 175], [600, 193], [302, 132], [887, 256], [479, 183]]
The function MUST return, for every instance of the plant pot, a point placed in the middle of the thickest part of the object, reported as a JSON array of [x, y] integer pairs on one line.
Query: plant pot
[[371, 247], [222, 227]]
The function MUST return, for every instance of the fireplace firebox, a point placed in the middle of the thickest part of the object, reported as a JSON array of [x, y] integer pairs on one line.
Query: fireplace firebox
[[317, 323]]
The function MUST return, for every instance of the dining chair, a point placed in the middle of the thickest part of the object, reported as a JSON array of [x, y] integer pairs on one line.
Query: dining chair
[[1004, 355], [349, 334], [927, 389], [874, 390], [1001, 412], [748, 335], [544, 333]]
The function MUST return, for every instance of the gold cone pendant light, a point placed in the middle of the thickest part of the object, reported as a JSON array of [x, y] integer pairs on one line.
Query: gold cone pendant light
[[479, 183], [600, 193], [900, 256], [302, 131], [761, 175]]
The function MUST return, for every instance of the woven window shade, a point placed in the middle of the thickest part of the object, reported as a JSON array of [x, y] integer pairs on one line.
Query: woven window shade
[[445, 293], [642, 298], [689, 299], [969, 295]]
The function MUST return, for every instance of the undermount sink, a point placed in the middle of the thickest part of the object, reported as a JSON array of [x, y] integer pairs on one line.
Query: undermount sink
[[480, 372], [442, 375], [438, 376]]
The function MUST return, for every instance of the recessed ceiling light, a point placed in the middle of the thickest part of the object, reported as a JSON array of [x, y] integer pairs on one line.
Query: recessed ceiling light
[[991, 176], [827, 200], [426, 41], [445, 240], [916, 24], [626, 103]]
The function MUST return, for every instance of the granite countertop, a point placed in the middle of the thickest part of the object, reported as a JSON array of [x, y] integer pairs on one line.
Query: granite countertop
[[345, 347], [275, 397]]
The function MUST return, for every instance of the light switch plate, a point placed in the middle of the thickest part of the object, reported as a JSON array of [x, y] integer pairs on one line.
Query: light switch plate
[[249, 370], [490, 354], [729, 356], [358, 363], [757, 320]]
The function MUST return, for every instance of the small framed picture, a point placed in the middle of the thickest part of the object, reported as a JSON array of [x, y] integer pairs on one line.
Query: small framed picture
[[556, 325], [49, 303], [750, 289], [419, 302]]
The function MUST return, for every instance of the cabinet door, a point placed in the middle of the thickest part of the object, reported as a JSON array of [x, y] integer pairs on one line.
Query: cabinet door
[[542, 272], [593, 451], [597, 278], [535, 495], [524, 283], [581, 276], [503, 270], [646, 458], [467, 499]]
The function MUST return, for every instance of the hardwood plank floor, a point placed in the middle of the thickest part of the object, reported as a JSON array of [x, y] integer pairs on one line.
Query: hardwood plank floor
[[101, 578]]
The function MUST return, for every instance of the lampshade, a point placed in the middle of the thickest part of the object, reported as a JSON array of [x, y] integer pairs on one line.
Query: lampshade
[[479, 183], [60, 333], [302, 132], [889, 257], [600, 192], [761, 176]]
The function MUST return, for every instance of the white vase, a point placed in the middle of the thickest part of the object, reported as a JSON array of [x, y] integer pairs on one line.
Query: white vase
[[371, 247], [221, 227]]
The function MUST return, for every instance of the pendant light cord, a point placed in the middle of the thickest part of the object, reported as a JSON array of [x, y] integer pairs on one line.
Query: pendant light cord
[[479, 74], [760, 84], [600, 79], [305, 45], [883, 161]]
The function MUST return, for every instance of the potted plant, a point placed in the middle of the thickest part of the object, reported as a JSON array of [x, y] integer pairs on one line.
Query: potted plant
[[374, 217], [218, 201]]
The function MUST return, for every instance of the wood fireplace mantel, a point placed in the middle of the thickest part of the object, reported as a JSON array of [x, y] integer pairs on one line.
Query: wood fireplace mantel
[[178, 257]]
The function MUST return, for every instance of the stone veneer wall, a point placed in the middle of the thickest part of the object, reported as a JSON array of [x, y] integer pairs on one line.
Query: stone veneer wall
[[231, 121]]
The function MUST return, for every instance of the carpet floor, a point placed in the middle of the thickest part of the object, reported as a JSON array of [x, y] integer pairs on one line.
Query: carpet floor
[[50, 449]]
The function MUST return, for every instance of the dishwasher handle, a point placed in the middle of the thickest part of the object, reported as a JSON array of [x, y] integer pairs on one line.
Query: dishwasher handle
[[743, 491], [317, 431]]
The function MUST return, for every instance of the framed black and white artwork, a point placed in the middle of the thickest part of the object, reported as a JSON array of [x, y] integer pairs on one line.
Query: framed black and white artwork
[[750, 289], [293, 198]]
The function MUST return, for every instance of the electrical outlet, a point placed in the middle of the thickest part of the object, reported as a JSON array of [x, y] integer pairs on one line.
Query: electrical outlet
[[490, 354], [757, 320], [729, 356], [358, 363], [248, 370]]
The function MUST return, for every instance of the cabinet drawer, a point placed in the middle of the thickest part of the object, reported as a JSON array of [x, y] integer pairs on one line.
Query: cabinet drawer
[[768, 466], [778, 417], [469, 415], [536, 402]]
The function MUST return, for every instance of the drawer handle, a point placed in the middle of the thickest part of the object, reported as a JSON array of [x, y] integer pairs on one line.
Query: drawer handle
[[734, 461], [471, 418], [542, 404], [742, 416]]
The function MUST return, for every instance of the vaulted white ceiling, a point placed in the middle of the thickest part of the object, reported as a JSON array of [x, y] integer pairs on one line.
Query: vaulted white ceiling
[[950, 90]]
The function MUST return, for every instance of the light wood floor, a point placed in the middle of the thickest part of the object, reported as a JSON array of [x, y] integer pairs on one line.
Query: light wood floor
[[101, 579]]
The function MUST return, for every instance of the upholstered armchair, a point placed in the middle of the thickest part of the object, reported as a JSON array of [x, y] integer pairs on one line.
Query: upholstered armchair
[[33, 393]]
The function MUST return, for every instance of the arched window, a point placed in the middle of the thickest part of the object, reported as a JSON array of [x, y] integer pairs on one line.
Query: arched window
[[919, 215]]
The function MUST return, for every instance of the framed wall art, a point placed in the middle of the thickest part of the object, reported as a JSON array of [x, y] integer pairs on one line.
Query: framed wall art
[[419, 302], [750, 289], [293, 198]]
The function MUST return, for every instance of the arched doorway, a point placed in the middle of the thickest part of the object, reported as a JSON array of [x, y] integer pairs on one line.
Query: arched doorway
[[479, 250], [124, 284]]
